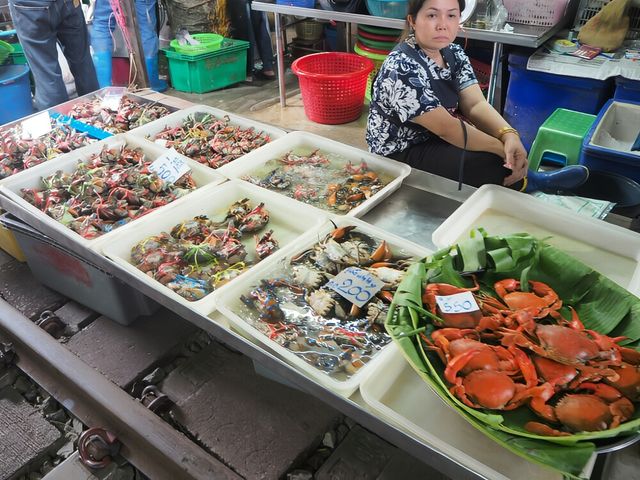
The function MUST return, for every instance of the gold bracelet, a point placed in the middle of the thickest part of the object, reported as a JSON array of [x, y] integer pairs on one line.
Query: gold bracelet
[[504, 130]]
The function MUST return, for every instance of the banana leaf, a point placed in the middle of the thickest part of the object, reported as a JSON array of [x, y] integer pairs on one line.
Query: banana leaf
[[601, 304]]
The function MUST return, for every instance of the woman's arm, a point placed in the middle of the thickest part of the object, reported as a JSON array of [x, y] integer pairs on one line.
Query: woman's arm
[[441, 123], [475, 107]]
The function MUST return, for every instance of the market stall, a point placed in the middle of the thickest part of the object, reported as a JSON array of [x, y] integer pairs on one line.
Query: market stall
[[289, 224], [523, 34]]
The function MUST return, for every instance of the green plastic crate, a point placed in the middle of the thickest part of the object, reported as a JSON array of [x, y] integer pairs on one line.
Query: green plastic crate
[[209, 71], [17, 57]]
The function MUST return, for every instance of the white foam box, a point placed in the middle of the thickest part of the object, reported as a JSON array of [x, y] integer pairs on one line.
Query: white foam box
[[307, 142], [395, 392], [229, 304], [288, 219], [12, 201], [611, 250], [176, 119]]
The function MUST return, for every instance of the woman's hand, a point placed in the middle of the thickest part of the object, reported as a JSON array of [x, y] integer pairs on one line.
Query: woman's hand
[[515, 158]]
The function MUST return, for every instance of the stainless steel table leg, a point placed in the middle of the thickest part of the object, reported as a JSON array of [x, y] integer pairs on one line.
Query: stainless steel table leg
[[496, 66], [280, 55]]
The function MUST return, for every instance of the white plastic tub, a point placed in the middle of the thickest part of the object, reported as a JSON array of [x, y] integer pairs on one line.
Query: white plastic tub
[[395, 392], [32, 178], [176, 119], [618, 129], [287, 218], [228, 301], [339, 152], [609, 249]]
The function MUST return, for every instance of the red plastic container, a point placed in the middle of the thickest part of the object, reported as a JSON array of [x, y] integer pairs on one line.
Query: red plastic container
[[332, 85], [119, 71]]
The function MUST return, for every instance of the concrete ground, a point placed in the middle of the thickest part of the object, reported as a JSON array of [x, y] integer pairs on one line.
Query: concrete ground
[[259, 100]]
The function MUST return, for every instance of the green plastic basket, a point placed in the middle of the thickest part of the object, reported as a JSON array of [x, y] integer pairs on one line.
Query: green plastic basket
[[5, 50], [381, 30], [209, 42], [209, 71]]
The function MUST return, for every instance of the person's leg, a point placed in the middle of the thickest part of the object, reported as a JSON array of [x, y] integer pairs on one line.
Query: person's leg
[[441, 158], [74, 37], [35, 22], [263, 42], [101, 40], [148, 23]]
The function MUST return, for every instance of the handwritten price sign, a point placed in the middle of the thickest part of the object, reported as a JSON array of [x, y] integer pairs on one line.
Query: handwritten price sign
[[36, 126], [356, 285], [170, 166], [457, 303]]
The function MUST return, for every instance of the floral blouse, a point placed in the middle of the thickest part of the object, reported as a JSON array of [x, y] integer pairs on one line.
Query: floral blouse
[[402, 92]]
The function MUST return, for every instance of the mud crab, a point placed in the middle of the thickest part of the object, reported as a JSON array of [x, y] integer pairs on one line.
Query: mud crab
[[541, 301], [569, 344], [598, 407], [265, 245], [254, 220]]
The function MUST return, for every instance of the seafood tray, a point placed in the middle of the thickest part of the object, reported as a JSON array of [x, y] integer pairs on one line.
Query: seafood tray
[[227, 148], [11, 190], [287, 219], [108, 98], [395, 392], [612, 250], [304, 183], [286, 298], [18, 154]]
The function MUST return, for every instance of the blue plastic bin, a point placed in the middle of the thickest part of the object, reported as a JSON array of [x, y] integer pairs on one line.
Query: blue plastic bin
[[627, 90], [533, 96], [297, 3], [606, 145], [15, 91]]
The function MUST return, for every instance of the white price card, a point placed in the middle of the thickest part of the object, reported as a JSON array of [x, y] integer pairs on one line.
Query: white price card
[[111, 101], [170, 166], [356, 285], [457, 303], [36, 126]]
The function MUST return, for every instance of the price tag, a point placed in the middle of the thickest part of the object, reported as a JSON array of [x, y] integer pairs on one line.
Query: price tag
[[170, 166], [111, 101], [458, 303], [36, 126], [356, 285]]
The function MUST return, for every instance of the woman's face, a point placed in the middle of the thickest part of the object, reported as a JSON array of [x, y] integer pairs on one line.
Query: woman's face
[[436, 24]]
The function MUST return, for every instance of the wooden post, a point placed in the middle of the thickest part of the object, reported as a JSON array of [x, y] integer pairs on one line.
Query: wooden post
[[137, 54]]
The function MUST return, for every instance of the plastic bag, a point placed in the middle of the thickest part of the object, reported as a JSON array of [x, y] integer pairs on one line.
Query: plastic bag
[[608, 28], [496, 15]]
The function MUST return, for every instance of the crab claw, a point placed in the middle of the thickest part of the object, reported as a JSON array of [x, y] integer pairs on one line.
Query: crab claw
[[382, 253]]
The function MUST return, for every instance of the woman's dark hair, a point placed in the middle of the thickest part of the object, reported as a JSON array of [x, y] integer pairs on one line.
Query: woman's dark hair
[[415, 6]]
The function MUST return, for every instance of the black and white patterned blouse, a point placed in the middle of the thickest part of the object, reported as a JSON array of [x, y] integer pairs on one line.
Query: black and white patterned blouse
[[402, 91]]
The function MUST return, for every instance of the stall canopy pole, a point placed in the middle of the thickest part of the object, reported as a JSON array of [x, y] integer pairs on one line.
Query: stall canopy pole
[[125, 15]]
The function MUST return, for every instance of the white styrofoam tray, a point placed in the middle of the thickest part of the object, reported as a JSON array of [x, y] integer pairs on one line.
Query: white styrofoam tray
[[11, 189], [395, 392], [66, 107], [176, 119], [611, 250], [618, 128], [288, 219], [228, 300], [308, 142]]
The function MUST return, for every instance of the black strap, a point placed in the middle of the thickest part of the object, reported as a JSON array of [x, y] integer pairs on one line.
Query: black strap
[[464, 150]]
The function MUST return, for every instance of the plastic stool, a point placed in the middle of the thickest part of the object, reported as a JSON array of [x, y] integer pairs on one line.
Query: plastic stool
[[560, 137]]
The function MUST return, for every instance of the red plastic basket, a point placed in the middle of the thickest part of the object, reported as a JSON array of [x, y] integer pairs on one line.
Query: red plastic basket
[[332, 85], [482, 71]]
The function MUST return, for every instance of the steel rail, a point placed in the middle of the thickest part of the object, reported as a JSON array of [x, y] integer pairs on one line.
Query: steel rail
[[148, 442]]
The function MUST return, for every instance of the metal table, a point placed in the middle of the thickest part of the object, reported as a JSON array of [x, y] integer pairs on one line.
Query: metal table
[[523, 35]]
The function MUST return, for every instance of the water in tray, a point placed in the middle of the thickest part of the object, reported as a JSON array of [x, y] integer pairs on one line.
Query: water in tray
[[325, 180]]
